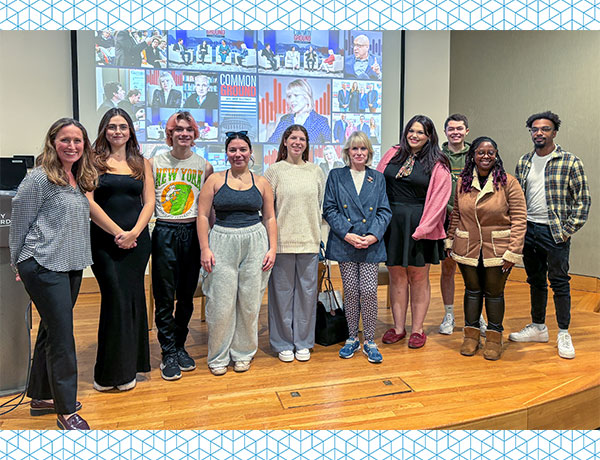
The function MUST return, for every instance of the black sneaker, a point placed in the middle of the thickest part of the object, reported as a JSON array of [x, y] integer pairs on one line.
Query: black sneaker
[[186, 363], [169, 369]]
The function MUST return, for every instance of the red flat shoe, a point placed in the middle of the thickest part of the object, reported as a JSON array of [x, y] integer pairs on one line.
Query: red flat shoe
[[390, 336], [417, 340], [74, 422], [41, 407]]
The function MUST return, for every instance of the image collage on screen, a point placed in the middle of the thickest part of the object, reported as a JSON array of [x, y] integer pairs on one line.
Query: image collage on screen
[[256, 81]]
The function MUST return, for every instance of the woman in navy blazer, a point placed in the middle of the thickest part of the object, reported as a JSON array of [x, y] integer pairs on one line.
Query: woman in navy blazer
[[357, 210]]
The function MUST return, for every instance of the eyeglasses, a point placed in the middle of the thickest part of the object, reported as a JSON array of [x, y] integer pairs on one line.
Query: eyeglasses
[[545, 129], [488, 153], [234, 133]]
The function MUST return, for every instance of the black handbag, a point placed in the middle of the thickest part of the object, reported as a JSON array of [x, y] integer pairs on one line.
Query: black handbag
[[331, 326]]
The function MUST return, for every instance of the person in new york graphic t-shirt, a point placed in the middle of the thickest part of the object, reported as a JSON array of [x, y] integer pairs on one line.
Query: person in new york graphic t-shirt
[[178, 176]]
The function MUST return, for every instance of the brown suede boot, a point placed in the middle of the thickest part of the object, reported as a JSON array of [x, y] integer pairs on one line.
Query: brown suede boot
[[493, 345], [471, 341]]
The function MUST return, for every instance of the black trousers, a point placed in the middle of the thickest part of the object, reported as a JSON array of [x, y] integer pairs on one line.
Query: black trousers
[[54, 368], [175, 272], [484, 282], [543, 257]]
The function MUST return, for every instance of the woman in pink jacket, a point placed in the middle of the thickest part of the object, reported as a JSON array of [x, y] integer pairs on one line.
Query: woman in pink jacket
[[418, 186]]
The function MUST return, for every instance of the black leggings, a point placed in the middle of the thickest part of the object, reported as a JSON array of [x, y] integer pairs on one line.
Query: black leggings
[[483, 282]]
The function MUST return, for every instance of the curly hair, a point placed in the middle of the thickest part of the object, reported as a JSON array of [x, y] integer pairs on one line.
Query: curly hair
[[430, 154], [102, 148], [497, 172], [544, 115], [282, 153], [83, 170]]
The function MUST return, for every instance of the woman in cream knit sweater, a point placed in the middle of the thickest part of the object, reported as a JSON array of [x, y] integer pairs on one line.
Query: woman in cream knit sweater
[[298, 187]]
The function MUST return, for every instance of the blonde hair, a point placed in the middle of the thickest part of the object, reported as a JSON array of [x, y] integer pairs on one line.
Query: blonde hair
[[303, 86], [83, 170], [357, 139]]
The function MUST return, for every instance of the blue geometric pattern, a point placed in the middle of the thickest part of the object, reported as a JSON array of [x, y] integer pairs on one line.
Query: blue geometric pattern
[[306, 445], [301, 14]]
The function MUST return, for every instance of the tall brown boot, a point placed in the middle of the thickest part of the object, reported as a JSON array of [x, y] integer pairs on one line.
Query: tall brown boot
[[493, 345], [471, 341]]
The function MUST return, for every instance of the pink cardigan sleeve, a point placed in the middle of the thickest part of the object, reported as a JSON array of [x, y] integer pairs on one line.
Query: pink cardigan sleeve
[[386, 158], [431, 226]]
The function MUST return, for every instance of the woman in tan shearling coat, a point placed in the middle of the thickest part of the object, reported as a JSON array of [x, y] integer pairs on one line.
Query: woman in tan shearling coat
[[486, 236]]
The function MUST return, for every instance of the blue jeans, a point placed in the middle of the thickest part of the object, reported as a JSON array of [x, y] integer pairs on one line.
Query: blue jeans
[[545, 258]]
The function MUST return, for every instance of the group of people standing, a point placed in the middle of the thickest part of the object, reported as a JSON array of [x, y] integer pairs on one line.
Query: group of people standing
[[244, 231]]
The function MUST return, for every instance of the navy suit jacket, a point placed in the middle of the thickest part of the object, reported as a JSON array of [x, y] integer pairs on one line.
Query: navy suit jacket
[[364, 127], [339, 131], [173, 100], [343, 98], [368, 73], [373, 96], [347, 212]]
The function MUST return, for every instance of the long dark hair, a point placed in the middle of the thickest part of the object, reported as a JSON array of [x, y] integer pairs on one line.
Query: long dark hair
[[83, 169], [101, 146], [282, 153], [498, 174], [430, 154]]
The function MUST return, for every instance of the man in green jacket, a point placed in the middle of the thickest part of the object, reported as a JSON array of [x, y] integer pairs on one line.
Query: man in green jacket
[[456, 128]]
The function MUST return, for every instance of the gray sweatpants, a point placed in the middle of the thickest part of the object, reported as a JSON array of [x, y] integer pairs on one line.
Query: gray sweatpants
[[293, 301], [234, 291]]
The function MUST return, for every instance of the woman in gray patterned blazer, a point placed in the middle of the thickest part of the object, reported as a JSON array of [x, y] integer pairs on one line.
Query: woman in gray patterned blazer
[[50, 247]]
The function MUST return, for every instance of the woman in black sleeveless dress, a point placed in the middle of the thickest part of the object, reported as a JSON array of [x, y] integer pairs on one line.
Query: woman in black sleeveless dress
[[121, 207]]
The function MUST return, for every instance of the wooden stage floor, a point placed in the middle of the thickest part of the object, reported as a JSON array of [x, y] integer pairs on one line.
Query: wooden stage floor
[[530, 387]]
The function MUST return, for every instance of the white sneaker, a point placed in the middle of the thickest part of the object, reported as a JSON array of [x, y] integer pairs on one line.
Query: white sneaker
[[482, 326], [530, 333], [287, 356], [447, 326], [241, 366], [303, 354], [99, 387], [127, 386], [565, 345]]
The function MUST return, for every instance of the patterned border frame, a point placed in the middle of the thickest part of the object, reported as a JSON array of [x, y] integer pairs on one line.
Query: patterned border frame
[[301, 14], [318, 445]]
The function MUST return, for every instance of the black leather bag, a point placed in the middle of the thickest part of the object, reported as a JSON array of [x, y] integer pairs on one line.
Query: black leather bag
[[331, 327]]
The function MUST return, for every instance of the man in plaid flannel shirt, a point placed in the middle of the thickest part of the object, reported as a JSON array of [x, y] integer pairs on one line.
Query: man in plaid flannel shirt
[[558, 202]]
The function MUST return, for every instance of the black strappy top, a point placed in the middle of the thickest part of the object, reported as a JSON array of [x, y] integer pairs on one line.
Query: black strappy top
[[237, 208]]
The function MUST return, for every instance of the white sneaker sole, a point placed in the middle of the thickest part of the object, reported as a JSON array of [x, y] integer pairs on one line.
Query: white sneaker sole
[[187, 369], [127, 386], [566, 355], [302, 358], [286, 359], [102, 389], [528, 339]]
